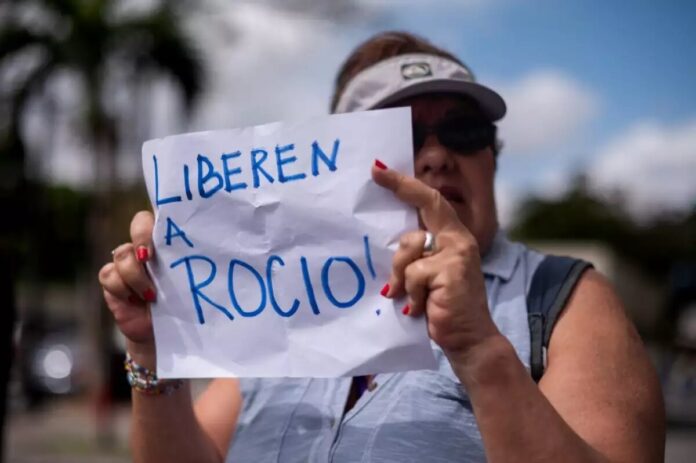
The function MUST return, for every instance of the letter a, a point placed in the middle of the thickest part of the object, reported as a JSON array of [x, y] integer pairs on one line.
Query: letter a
[[178, 232]]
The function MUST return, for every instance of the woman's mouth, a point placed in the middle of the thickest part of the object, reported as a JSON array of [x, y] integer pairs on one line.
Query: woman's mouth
[[451, 194]]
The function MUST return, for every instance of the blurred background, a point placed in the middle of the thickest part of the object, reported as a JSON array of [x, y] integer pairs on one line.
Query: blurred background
[[599, 162]]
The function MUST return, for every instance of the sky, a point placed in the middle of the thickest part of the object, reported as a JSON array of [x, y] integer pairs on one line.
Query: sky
[[605, 88]]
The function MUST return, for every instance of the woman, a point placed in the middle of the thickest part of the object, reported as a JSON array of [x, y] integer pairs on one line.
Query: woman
[[598, 399]]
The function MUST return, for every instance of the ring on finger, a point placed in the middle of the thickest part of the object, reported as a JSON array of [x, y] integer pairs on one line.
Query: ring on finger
[[429, 243]]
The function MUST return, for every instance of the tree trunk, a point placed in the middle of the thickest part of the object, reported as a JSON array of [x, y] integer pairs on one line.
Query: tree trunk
[[102, 240]]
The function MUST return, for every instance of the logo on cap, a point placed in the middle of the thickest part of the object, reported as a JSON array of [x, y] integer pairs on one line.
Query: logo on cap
[[415, 70]]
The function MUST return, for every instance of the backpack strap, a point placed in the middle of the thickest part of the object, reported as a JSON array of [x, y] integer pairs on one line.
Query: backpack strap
[[552, 284]]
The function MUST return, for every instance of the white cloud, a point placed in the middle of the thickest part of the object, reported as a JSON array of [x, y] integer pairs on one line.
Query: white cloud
[[653, 165], [55, 148], [277, 65], [545, 109], [265, 61]]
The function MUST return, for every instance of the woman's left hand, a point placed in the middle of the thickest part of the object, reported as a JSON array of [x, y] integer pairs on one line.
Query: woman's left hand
[[447, 284]]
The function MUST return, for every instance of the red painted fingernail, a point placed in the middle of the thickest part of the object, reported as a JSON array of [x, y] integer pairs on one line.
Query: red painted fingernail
[[385, 290], [380, 164], [149, 295], [132, 299], [142, 253], [406, 309]]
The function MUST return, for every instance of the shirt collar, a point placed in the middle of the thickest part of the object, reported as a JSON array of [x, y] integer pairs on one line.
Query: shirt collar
[[501, 259]]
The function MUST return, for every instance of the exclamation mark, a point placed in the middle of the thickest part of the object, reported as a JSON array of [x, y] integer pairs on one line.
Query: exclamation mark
[[368, 257], [370, 267]]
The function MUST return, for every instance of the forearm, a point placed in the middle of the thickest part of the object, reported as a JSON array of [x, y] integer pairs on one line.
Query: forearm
[[164, 428], [516, 421]]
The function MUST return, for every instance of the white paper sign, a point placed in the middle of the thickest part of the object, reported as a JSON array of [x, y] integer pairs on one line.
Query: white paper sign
[[272, 244]]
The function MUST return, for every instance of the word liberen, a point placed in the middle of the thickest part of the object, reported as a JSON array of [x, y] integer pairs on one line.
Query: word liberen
[[263, 167]]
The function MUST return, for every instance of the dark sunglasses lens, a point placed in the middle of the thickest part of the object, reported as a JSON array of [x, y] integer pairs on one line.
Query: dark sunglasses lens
[[419, 136], [465, 135]]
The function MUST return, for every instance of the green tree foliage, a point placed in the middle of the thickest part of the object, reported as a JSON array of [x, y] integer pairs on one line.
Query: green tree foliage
[[88, 40], [61, 254], [103, 47], [654, 245]]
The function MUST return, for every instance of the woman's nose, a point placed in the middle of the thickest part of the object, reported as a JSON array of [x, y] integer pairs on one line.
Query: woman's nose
[[433, 157]]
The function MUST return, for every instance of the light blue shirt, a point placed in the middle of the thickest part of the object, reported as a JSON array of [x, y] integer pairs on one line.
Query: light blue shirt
[[416, 416]]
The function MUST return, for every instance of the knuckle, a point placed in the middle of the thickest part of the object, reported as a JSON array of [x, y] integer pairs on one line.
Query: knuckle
[[464, 246], [410, 241], [421, 267], [105, 272], [449, 236], [438, 318], [413, 271], [472, 246], [123, 251], [452, 278], [416, 280], [130, 272]]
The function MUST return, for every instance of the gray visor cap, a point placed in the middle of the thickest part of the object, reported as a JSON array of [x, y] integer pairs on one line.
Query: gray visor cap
[[414, 74]]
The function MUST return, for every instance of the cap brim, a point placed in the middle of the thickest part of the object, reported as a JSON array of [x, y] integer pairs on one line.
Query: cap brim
[[490, 102]]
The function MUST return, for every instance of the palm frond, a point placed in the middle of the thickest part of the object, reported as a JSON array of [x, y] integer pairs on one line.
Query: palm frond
[[31, 84], [162, 44], [61, 7], [14, 39]]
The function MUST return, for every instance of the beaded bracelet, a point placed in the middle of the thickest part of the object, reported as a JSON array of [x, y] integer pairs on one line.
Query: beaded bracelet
[[144, 380]]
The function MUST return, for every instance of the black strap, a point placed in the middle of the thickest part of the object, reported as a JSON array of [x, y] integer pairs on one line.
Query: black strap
[[552, 284]]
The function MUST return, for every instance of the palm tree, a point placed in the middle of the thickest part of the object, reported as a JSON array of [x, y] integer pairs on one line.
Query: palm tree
[[88, 40]]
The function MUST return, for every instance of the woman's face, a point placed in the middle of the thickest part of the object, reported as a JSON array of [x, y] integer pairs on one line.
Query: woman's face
[[465, 179]]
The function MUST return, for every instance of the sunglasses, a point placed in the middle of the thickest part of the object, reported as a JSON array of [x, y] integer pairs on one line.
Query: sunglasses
[[465, 135]]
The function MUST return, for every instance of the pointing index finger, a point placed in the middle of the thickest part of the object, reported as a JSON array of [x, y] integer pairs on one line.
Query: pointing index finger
[[436, 213]]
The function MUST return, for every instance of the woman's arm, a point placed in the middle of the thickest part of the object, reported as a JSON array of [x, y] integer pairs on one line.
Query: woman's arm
[[165, 428], [599, 399], [169, 428]]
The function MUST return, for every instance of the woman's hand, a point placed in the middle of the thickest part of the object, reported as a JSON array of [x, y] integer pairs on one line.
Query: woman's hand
[[128, 289], [447, 284]]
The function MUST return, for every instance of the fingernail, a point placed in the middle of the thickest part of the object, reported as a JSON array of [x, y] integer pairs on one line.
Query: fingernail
[[149, 295], [406, 309], [142, 253], [385, 290], [132, 299], [380, 164]]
